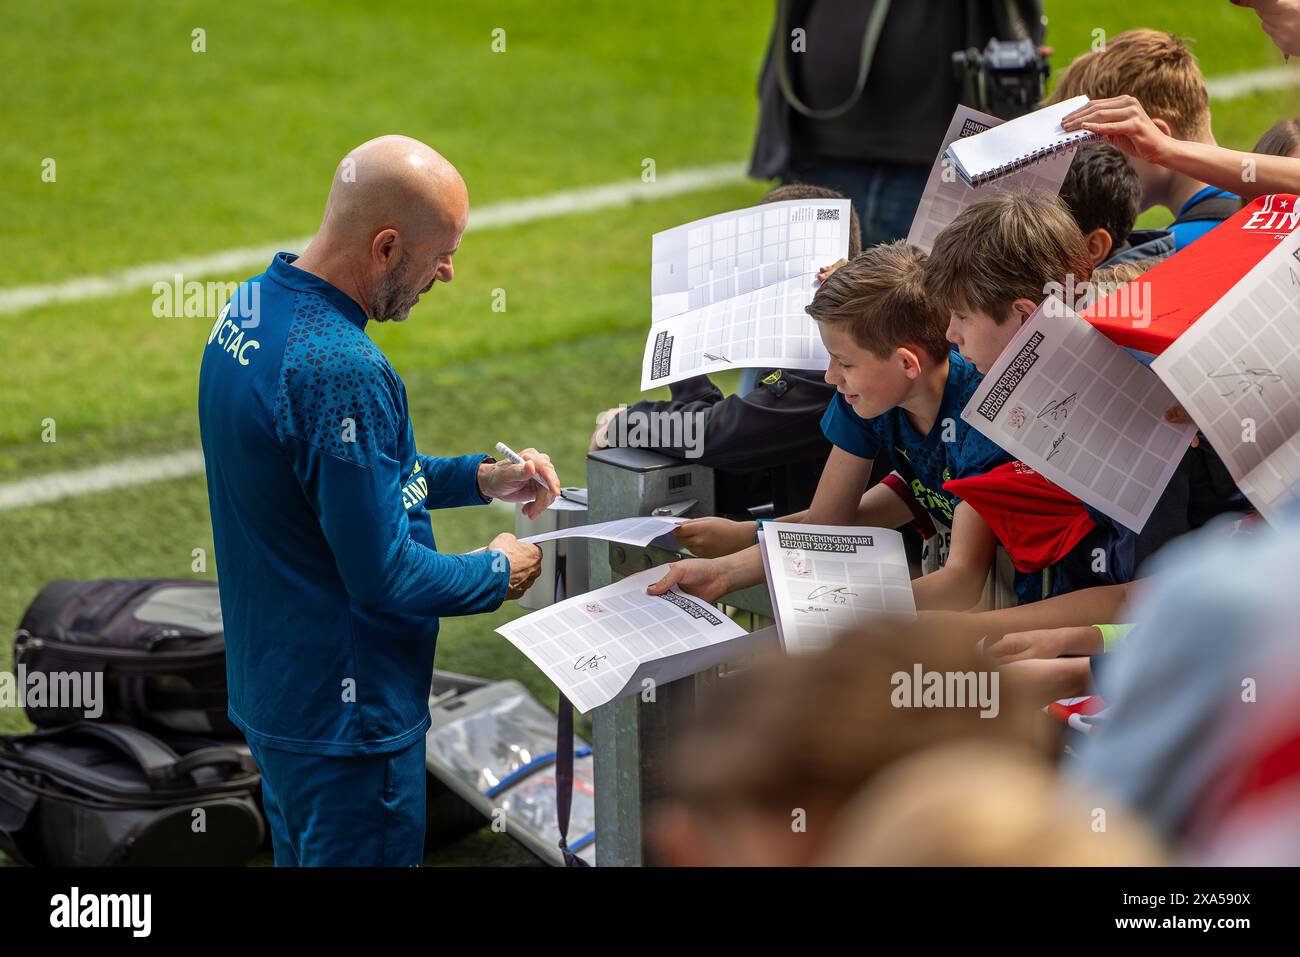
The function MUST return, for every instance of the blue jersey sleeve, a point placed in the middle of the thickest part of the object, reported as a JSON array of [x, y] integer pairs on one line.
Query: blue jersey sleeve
[[363, 519], [453, 482], [354, 487], [849, 431]]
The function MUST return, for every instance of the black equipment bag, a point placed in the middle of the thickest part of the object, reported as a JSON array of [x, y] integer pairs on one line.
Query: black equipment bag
[[158, 643], [96, 794]]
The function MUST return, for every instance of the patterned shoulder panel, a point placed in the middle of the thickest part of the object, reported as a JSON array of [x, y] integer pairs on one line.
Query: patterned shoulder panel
[[337, 390]]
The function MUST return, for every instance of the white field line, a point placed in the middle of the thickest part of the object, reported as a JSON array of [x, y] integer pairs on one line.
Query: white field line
[[1233, 85], [100, 478], [491, 216], [142, 470], [155, 468]]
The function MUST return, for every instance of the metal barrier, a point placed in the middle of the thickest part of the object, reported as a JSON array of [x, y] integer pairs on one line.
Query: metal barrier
[[631, 736]]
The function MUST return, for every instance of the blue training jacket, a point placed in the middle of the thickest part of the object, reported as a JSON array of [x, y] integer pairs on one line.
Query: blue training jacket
[[331, 584]]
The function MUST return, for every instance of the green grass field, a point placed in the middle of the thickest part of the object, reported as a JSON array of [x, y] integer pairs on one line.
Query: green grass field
[[162, 153]]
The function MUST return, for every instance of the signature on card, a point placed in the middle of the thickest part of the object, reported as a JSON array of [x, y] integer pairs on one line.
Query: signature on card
[[1055, 413], [835, 595], [1244, 380], [588, 662]]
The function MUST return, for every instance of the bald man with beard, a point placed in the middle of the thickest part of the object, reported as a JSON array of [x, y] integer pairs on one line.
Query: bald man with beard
[[331, 581]]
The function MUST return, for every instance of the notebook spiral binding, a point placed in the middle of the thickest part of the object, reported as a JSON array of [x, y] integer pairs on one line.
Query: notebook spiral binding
[[1032, 157]]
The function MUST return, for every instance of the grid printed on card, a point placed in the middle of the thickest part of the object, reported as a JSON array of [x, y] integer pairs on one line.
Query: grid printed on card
[[1237, 372]]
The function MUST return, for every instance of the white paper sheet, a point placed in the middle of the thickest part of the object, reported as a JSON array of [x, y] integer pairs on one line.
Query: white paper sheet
[[764, 328], [947, 194], [1237, 373], [1071, 404], [630, 531], [729, 254], [602, 645], [572, 500], [1029, 138], [729, 291], [824, 579]]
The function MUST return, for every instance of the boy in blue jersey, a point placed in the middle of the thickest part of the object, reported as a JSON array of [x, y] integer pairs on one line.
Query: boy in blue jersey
[[331, 581], [899, 388], [989, 295]]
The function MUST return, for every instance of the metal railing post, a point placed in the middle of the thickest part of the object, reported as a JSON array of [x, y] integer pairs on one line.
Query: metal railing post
[[630, 735]]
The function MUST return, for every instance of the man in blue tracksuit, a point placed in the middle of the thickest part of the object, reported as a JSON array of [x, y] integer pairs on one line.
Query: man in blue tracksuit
[[331, 582]]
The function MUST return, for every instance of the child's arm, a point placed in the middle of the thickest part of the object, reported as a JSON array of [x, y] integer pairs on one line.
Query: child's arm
[[1044, 680], [879, 507], [839, 491], [1123, 121], [714, 537], [1226, 169], [835, 503], [960, 582], [1082, 607], [1046, 643]]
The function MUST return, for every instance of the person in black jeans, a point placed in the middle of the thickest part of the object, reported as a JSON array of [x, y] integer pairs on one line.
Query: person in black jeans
[[879, 146]]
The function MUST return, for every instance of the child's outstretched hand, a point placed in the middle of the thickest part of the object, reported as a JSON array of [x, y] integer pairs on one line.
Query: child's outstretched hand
[[713, 537], [1126, 126], [704, 579]]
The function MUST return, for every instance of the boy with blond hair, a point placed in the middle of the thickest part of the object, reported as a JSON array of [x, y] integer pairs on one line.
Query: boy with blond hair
[[1157, 70]]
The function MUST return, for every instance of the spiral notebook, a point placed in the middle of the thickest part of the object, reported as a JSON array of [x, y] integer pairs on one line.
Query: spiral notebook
[[986, 156]]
